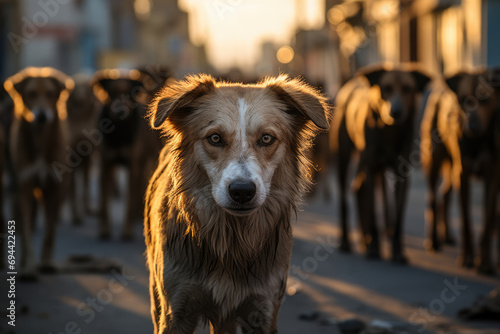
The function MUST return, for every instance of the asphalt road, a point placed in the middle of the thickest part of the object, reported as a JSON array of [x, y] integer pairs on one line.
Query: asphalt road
[[326, 286]]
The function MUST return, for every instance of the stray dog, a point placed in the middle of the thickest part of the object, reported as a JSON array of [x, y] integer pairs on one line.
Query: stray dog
[[39, 136], [83, 109], [123, 94], [375, 116], [219, 205], [461, 138]]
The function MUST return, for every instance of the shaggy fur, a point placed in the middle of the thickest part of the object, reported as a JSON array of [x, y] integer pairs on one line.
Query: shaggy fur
[[208, 263], [461, 138], [375, 117]]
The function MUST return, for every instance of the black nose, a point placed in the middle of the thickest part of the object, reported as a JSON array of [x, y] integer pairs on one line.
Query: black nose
[[241, 191], [396, 113], [41, 118]]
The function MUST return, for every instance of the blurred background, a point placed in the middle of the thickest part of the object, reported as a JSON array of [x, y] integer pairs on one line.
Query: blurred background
[[324, 41]]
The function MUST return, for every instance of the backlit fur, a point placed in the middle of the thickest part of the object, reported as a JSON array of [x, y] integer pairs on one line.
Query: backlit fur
[[209, 262]]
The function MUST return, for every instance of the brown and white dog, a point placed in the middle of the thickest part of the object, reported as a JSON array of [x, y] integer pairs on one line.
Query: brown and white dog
[[460, 139], [219, 205], [375, 117], [38, 140]]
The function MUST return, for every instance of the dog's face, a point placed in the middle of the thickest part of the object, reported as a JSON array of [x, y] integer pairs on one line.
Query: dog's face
[[81, 102], [124, 97], [398, 90], [40, 96], [477, 100], [238, 135]]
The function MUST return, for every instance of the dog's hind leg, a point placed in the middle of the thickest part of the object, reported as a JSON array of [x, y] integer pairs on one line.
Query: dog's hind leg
[[433, 242], [446, 190]]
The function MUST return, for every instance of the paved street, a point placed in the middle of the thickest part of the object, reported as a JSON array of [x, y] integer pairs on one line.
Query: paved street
[[326, 286]]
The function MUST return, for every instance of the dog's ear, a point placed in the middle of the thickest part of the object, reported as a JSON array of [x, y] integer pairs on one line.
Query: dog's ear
[[454, 80], [178, 97], [302, 99], [21, 85], [373, 74], [421, 78], [59, 85]]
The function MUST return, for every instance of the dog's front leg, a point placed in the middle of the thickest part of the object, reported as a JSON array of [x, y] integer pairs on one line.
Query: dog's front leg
[[23, 205], [491, 194], [106, 183], [401, 193], [52, 199], [134, 197], [366, 212], [467, 246]]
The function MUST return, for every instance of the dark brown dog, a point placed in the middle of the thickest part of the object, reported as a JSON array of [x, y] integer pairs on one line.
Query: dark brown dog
[[120, 91], [39, 136], [218, 207], [461, 138], [375, 117], [83, 109]]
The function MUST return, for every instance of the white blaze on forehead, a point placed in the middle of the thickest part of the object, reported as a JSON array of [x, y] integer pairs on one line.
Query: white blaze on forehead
[[242, 109]]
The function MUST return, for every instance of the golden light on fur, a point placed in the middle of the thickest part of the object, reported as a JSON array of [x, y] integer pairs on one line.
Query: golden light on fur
[[20, 109], [208, 251], [112, 74]]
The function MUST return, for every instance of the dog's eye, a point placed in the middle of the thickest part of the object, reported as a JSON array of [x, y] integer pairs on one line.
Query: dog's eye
[[266, 140], [386, 89], [215, 140]]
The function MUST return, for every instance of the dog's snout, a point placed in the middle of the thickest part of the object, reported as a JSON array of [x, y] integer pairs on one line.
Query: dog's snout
[[396, 113], [396, 109], [473, 124], [242, 191], [41, 117]]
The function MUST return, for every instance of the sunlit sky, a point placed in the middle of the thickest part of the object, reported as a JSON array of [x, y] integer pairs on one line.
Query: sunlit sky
[[233, 30]]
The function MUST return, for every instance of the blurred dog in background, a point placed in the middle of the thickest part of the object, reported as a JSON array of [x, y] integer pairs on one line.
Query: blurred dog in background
[[39, 136], [375, 117], [121, 92], [461, 138], [218, 207], [130, 142], [83, 109]]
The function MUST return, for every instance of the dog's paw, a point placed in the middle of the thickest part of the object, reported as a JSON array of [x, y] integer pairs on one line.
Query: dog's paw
[[47, 268]]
